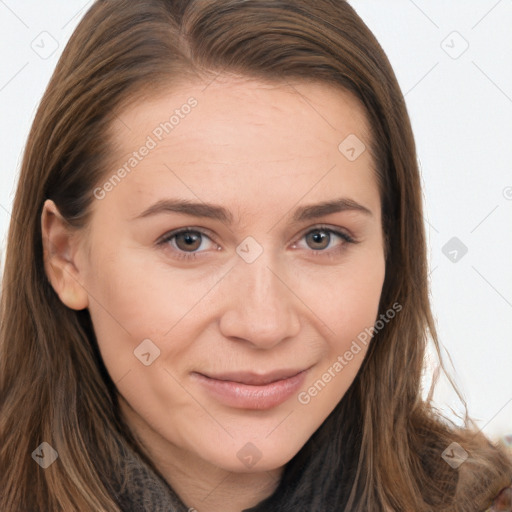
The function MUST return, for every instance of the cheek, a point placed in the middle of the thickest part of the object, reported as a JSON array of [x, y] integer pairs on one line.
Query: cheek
[[359, 297], [134, 298], [347, 300], [348, 309]]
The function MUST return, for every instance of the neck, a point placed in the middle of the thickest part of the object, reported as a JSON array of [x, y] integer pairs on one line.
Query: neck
[[201, 486]]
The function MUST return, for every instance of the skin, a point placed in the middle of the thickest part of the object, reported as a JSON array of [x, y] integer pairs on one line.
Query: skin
[[260, 151]]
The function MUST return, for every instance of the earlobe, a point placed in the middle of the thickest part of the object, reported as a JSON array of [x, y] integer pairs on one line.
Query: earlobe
[[59, 254]]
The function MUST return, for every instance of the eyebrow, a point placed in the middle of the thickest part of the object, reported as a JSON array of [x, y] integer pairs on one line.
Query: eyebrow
[[216, 212]]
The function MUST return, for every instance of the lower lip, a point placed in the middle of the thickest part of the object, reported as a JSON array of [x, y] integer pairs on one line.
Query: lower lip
[[245, 396]]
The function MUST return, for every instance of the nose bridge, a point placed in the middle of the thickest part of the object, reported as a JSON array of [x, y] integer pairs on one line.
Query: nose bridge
[[264, 287], [254, 274], [260, 307]]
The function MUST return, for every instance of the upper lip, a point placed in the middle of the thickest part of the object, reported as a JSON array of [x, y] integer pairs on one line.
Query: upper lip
[[255, 379]]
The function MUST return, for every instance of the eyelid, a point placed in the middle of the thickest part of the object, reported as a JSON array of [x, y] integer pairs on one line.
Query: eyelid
[[180, 255], [339, 231], [203, 231]]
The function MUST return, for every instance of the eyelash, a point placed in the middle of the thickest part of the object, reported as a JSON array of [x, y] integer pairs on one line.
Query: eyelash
[[182, 255]]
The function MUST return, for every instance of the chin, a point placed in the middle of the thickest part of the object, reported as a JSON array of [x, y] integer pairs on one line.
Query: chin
[[252, 456]]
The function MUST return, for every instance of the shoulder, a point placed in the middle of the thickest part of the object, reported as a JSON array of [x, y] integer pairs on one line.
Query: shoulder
[[502, 502]]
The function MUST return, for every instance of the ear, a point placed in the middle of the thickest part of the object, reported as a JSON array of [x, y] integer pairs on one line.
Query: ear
[[59, 252]]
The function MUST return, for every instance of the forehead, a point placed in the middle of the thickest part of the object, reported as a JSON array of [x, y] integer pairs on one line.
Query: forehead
[[227, 102], [236, 136]]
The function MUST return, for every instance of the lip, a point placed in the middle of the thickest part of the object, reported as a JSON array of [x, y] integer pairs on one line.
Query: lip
[[255, 379], [247, 390]]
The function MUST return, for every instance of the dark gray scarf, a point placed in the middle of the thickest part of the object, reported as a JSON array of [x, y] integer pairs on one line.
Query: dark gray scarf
[[143, 490]]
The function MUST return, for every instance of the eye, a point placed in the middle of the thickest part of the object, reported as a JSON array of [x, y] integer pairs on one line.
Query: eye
[[186, 242], [320, 238]]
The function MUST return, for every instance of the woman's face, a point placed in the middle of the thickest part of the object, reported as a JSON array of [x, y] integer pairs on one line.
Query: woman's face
[[210, 267]]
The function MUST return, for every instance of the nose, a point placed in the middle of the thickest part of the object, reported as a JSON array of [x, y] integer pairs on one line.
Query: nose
[[260, 305]]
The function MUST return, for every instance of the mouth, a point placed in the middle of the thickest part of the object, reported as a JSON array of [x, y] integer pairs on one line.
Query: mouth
[[255, 379], [248, 390]]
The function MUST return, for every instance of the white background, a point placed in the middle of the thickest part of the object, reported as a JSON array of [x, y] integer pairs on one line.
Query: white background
[[460, 103]]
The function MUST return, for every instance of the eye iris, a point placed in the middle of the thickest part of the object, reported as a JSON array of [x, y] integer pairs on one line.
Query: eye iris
[[319, 237], [192, 240]]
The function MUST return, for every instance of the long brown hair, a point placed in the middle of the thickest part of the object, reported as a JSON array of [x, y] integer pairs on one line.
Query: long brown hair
[[381, 448]]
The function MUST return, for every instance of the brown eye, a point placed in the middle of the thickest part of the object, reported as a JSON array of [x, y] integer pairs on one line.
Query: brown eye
[[185, 244], [319, 239], [188, 240], [325, 241]]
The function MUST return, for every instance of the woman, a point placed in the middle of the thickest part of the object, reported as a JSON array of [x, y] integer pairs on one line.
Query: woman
[[215, 294]]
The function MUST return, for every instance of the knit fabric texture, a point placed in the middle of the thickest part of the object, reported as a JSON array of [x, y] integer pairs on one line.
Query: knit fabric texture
[[142, 490]]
